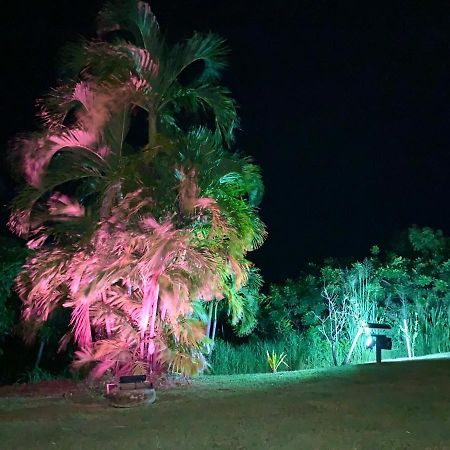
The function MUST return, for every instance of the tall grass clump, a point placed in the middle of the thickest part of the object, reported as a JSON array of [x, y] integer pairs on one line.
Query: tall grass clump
[[434, 335], [303, 352]]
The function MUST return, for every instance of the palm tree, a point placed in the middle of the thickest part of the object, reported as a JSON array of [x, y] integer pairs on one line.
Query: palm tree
[[131, 238]]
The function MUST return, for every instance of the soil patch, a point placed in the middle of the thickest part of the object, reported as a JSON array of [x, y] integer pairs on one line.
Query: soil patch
[[51, 388]]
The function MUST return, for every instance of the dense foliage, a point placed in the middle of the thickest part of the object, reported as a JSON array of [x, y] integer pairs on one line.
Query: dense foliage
[[12, 257], [319, 319]]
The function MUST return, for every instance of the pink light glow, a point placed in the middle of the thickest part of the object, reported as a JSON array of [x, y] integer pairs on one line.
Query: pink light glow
[[34, 244], [149, 302], [60, 204]]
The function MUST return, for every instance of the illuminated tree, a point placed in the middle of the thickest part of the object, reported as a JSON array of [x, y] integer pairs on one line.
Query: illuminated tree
[[351, 297], [337, 309], [361, 286], [134, 239], [417, 286]]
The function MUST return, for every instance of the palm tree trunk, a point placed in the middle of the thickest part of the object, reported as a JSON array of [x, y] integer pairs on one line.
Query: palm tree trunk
[[215, 323], [210, 312], [40, 353]]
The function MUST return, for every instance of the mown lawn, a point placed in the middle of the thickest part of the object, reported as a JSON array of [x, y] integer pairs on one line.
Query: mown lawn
[[402, 405]]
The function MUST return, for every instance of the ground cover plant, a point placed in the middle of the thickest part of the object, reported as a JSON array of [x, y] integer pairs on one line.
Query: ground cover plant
[[390, 406]]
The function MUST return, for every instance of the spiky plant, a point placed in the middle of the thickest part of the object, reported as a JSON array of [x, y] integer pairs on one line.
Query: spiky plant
[[131, 238]]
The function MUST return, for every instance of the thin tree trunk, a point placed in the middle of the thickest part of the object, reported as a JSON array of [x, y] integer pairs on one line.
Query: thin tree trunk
[[215, 322], [333, 351], [408, 342], [210, 312], [40, 353], [355, 341]]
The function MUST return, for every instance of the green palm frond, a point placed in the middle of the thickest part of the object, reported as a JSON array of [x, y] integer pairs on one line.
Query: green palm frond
[[186, 363], [208, 48], [251, 299], [116, 129], [138, 19], [205, 97], [254, 184], [97, 60], [199, 311], [230, 191]]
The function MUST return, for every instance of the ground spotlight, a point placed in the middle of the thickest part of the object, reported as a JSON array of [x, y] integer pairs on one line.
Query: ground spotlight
[[379, 341], [370, 342]]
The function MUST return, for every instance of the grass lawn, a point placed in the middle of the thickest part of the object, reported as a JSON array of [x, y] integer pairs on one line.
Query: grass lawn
[[401, 405]]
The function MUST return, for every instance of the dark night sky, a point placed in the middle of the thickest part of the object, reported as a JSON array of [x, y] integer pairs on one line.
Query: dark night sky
[[346, 109]]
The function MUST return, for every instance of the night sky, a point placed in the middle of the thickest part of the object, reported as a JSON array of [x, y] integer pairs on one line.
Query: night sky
[[345, 109]]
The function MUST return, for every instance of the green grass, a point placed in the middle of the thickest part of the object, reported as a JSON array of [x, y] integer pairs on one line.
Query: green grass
[[305, 351], [401, 405], [302, 353]]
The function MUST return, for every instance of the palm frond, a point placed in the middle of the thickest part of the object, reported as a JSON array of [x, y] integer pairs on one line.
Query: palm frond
[[116, 130], [187, 364], [251, 298], [208, 48], [206, 97], [135, 17]]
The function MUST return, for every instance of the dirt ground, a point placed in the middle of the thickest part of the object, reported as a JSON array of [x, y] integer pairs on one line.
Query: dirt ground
[[402, 405], [53, 388]]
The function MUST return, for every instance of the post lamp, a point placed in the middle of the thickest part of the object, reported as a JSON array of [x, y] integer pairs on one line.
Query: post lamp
[[379, 341]]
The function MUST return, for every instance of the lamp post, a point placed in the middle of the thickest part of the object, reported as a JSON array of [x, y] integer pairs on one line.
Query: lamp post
[[380, 341]]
